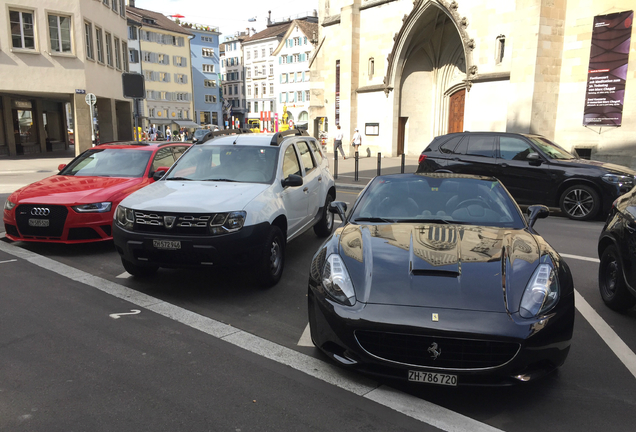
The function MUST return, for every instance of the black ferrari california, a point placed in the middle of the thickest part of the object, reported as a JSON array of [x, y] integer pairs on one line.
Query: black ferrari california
[[439, 278]]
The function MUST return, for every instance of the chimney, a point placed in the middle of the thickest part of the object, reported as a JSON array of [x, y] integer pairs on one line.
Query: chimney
[[269, 17], [131, 3]]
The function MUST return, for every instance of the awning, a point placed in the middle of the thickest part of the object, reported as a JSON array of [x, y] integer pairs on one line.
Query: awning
[[187, 123]]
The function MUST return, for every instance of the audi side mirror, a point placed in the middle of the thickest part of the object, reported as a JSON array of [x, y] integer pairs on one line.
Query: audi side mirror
[[60, 167], [537, 212], [292, 180]]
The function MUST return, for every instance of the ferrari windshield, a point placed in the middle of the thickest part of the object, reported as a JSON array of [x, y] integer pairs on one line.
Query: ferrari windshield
[[248, 164], [437, 198], [109, 163]]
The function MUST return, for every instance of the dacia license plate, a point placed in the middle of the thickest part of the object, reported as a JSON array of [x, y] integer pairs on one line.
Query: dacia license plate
[[167, 244], [433, 378], [38, 222]]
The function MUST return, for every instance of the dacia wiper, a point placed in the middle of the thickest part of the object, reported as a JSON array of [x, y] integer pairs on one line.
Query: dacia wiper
[[373, 219], [427, 220], [221, 180], [179, 178]]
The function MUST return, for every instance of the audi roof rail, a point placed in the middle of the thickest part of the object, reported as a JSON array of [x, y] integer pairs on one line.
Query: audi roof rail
[[214, 134], [278, 137], [139, 143]]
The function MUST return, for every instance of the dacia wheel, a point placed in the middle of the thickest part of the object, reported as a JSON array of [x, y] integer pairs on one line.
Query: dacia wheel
[[325, 225], [612, 283], [273, 259], [580, 202], [138, 271]]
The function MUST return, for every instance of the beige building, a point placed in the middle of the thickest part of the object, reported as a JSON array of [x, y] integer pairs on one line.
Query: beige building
[[165, 63], [52, 54], [439, 66]]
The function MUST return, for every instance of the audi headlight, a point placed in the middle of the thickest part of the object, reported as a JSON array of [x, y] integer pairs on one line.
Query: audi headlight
[[101, 207], [542, 292], [125, 217], [336, 281], [619, 179], [224, 223], [8, 205]]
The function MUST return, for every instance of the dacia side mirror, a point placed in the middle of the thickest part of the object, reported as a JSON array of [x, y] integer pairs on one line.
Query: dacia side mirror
[[339, 208], [292, 180], [159, 173], [537, 212]]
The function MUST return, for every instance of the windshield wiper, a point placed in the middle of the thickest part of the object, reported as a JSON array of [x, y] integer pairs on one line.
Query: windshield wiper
[[221, 180], [429, 220], [373, 219], [179, 178]]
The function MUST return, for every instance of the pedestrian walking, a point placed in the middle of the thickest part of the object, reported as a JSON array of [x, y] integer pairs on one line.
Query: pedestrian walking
[[168, 133], [356, 141], [337, 143], [153, 133]]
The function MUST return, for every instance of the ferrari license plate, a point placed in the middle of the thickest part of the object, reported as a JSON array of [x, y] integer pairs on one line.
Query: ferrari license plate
[[433, 378], [167, 244], [38, 222]]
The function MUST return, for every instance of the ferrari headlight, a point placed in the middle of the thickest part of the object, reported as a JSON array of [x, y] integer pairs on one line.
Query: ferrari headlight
[[101, 207], [8, 205], [124, 217], [336, 281], [542, 292], [224, 223]]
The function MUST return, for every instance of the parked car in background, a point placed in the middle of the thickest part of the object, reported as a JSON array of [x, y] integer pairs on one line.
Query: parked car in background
[[77, 204], [533, 168], [198, 135], [617, 252], [438, 278], [236, 199]]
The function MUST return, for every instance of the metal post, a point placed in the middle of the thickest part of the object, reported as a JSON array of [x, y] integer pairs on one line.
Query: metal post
[[379, 163], [355, 178], [335, 163], [402, 170]]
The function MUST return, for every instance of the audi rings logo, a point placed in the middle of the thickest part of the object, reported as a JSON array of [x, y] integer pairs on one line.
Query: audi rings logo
[[40, 211]]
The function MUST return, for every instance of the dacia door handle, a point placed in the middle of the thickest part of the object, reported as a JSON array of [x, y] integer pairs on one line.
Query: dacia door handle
[[305, 189], [319, 179]]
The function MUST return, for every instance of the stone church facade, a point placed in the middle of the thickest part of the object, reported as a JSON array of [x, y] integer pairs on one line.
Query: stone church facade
[[405, 71]]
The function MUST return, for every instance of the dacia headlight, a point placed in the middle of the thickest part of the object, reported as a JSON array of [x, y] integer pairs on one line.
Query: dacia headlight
[[542, 292], [101, 207], [125, 217], [224, 223], [8, 205], [336, 281], [619, 179]]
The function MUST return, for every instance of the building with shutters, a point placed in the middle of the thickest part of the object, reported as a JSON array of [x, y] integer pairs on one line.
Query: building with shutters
[[405, 71], [54, 54], [292, 71], [165, 63]]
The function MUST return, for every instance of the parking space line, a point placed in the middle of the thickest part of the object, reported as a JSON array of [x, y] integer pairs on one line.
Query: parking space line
[[581, 258], [609, 336], [305, 338], [124, 275], [8, 261], [408, 405]]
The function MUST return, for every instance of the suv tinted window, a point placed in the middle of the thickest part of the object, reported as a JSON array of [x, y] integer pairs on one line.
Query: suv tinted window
[[449, 146], [290, 162], [480, 145], [317, 152], [514, 148], [305, 156]]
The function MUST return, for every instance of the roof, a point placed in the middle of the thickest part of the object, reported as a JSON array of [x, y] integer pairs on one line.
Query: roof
[[306, 27], [162, 22], [277, 30]]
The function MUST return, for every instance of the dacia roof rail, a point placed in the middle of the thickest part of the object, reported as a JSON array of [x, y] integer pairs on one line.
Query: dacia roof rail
[[279, 136], [214, 134]]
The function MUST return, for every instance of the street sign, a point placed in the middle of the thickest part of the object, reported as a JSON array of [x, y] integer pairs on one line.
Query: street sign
[[90, 99]]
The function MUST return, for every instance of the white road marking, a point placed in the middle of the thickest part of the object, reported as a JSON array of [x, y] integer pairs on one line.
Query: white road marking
[[124, 275], [606, 333], [119, 315], [408, 405], [578, 257], [305, 339], [8, 261]]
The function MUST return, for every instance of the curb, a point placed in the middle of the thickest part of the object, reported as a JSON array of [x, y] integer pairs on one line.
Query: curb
[[348, 186]]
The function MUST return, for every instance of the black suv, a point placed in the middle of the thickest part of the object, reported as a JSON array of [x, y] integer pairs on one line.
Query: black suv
[[534, 170]]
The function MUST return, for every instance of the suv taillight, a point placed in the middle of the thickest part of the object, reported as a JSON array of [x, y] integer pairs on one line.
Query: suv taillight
[[421, 159]]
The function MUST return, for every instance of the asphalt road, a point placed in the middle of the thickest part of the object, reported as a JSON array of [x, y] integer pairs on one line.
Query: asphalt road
[[60, 330]]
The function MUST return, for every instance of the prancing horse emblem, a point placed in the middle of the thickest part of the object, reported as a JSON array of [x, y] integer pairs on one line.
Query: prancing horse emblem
[[434, 351]]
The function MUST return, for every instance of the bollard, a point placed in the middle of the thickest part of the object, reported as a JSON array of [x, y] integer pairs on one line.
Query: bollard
[[402, 170], [379, 163], [335, 164], [355, 178]]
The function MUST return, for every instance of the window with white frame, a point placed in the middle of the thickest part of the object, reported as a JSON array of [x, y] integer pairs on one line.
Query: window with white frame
[[296, 57], [500, 48], [164, 76], [271, 50], [132, 33], [22, 29], [210, 99], [179, 114], [249, 90], [88, 38], [180, 61], [99, 39], [60, 33], [296, 41], [299, 96], [208, 68], [109, 49], [124, 50], [263, 52], [180, 78], [264, 89], [209, 83], [263, 69], [255, 106], [283, 78], [307, 92], [255, 71], [271, 88], [133, 55], [255, 89], [271, 69], [283, 59], [236, 89], [291, 97], [163, 59], [122, 8], [106, 2], [249, 73], [291, 77], [115, 6], [307, 75], [117, 54], [247, 53], [255, 53], [207, 52]]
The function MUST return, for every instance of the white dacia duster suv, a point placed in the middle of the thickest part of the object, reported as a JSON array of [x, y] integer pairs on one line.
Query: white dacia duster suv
[[234, 198]]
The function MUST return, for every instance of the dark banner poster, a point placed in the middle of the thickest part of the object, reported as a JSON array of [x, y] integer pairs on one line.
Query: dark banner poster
[[337, 92], [607, 73]]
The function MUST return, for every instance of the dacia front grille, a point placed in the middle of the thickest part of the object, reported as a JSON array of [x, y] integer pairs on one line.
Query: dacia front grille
[[172, 223]]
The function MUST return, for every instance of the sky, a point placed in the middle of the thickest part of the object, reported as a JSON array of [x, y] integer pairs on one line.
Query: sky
[[230, 16]]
